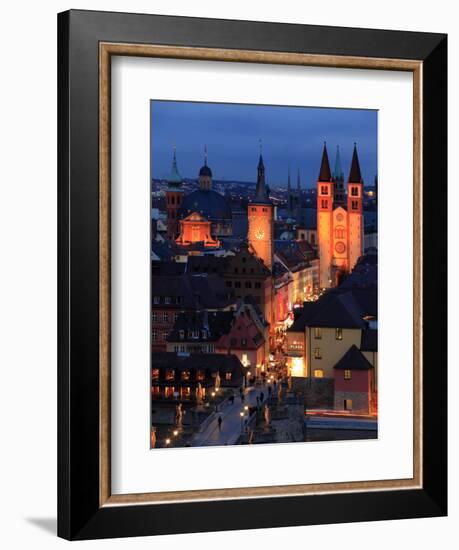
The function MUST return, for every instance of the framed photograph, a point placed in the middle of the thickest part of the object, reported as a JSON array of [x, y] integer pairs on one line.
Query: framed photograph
[[252, 275]]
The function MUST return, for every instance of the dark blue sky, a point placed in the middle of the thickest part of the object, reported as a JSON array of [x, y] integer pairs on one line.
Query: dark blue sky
[[291, 136]]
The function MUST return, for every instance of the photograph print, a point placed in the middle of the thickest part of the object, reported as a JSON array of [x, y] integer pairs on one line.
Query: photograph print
[[264, 263]]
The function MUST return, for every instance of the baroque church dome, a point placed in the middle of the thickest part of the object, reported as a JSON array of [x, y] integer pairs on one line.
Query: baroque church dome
[[209, 203]]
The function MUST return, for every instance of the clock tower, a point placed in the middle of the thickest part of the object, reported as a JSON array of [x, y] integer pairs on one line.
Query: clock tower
[[260, 215]]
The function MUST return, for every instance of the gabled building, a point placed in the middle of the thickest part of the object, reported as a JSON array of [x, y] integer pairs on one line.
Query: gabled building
[[173, 294], [324, 331]]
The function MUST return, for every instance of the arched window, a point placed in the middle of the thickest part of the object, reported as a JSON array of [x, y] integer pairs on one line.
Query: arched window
[[340, 232]]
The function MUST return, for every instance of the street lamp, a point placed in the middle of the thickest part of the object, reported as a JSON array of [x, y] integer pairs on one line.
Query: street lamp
[[175, 432], [168, 441], [241, 414]]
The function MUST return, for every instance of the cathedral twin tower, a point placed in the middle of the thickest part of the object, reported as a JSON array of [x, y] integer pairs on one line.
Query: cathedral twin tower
[[339, 229], [339, 225]]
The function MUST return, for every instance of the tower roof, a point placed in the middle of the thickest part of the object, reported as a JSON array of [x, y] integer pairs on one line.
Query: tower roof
[[325, 174], [338, 171], [205, 170], [174, 177], [354, 175], [261, 191]]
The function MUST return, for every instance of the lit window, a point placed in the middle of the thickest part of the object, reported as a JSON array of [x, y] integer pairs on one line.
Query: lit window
[[228, 376], [339, 233], [167, 300], [317, 333], [176, 316], [347, 374], [317, 353], [185, 375], [348, 404], [338, 333], [318, 373], [200, 375], [154, 317], [164, 335], [154, 336], [156, 299], [165, 317], [154, 374], [204, 334], [170, 374]]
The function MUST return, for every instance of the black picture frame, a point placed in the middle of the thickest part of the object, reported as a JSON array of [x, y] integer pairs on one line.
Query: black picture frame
[[80, 515]]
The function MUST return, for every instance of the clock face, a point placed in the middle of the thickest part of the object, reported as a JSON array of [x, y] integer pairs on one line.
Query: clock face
[[340, 247], [259, 233]]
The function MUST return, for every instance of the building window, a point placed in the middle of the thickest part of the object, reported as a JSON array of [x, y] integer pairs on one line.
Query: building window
[[243, 342], [313, 239], [165, 317], [170, 374], [340, 233], [164, 336], [154, 317], [154, 336], [257, 285], [248, 284], [338, 333], [204, 334], [317, 353], [355, 205], [181, 334], [265, 209], [317, 333], [228, 284], [200, 375], [154, 374], [233, 341], [176, 316], [348, 404], [185, 374], [347, 374], [354, 191], [236, 270], [176, 348], [237, 284], [318, 373], [253, 209], [228, 376], [324, 190], [325, 204], [178, 299], [156, 299]]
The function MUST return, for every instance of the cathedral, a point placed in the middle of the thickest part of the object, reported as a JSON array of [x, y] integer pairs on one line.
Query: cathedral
[[339, 225]]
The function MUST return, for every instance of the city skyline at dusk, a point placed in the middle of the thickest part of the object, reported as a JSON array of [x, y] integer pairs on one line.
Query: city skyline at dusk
[[291, 138]]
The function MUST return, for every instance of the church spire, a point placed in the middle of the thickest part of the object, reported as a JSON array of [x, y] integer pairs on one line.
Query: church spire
[[205, 155], [261, 193], [338, 171], [325, 174], [174, 176], [354, 175]]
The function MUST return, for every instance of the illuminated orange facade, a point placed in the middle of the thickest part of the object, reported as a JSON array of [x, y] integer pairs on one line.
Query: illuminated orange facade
[[196, 229], [260, 214], [340, 231]]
